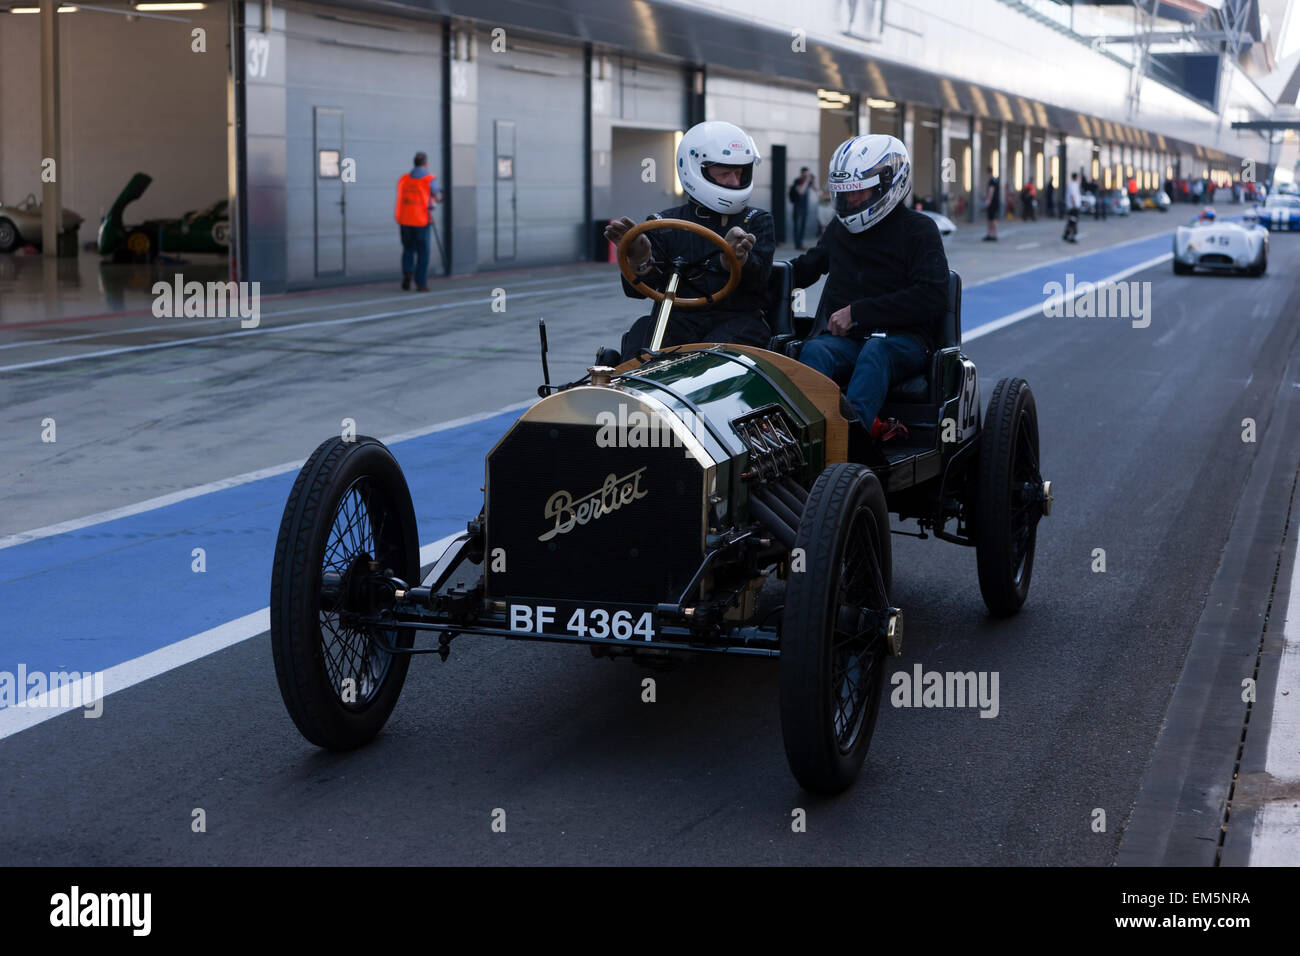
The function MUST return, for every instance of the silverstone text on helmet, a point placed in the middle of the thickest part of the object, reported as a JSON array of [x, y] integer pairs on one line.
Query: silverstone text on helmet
[[869, 175], [717, 143]]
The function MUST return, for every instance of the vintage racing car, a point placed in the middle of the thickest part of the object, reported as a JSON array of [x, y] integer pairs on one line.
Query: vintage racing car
[[1280, 212], [1211, 243], [21, 224], [200, 230], [651, 510]]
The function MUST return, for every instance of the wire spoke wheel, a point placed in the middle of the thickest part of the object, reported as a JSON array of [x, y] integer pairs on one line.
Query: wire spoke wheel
[[355, 661], [833, 646], [348, 522], [1009, 497], [859, 605]]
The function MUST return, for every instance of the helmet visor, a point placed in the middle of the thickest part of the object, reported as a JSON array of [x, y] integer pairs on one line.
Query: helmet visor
[[728, 176], [854, 201]]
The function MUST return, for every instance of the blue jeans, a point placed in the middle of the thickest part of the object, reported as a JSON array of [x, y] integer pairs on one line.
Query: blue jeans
[[867, 367], [415, 252], [800, 217]]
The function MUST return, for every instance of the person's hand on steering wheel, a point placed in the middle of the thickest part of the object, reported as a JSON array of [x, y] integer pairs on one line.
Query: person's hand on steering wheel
[[640, 251]]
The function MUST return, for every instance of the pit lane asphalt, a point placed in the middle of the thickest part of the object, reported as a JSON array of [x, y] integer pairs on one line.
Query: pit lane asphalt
[[1141, 435]]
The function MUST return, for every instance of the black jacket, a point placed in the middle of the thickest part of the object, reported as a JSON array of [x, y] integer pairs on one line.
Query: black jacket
[[894, 276], [750, 297]]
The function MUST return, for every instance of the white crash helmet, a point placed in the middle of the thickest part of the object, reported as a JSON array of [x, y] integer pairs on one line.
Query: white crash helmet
[[726, 144], [874, 162]]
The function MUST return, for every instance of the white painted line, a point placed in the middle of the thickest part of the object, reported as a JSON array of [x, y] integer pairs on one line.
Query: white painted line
[[314, 307], [1075, 255], [275, 329], [1029, 245], [14, 720], [1275, 840], [162, 501], [1025, 313]]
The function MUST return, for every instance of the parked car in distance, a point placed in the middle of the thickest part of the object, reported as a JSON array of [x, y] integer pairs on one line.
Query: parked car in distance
[[202, 230], [946, 226], [20, 225]]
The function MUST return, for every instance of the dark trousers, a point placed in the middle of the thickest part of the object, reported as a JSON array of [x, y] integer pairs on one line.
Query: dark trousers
[[800, 219], [1072, 223], [415, 253], [866, 368]]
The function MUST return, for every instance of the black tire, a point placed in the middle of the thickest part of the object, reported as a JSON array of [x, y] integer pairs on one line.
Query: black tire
[[845, 528], [1181, 269], [1008, 497], [315, 650], [1259, 268], [9, 237]]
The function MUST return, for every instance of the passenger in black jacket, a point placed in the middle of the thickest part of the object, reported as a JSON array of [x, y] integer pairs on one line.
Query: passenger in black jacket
[[879, 316], [715, 164]]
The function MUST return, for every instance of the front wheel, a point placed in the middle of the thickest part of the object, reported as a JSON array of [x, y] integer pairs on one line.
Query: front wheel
[[1010, 497], [8, 236], [348, 520], [1181, 269], [833, 632]]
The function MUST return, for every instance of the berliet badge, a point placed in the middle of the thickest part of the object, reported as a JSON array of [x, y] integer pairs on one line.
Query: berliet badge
[[613, 494]]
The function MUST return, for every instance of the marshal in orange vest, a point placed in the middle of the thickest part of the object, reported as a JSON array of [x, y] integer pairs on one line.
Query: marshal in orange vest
[[413, 200]]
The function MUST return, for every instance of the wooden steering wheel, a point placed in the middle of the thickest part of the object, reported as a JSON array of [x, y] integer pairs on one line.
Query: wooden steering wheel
[[733, 263]]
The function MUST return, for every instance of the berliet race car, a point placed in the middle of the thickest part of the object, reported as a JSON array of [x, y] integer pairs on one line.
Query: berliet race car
[[652, 510], [1206, 243]]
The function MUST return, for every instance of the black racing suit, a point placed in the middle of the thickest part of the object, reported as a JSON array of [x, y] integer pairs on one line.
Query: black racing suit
[[894, 276], [739, 318]]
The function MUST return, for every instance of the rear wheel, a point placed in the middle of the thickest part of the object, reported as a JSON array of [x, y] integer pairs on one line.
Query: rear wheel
[[1261, 265], [349, 514], [1010, 497], [833, 643]]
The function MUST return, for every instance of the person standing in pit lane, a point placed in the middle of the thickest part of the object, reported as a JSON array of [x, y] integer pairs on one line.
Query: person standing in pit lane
[[1073, 200]]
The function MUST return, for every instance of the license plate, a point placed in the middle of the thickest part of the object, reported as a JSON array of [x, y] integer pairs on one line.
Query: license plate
[[584, 620]]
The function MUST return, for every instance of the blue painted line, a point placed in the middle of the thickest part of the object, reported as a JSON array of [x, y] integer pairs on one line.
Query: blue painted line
[[92, 598], [983, 304], [102, 595]]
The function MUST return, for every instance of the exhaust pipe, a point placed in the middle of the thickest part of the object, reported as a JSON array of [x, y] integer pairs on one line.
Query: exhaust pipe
[[780, 528]]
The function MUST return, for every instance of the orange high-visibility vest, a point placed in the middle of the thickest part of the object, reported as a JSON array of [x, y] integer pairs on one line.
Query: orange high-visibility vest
[[413, 200]]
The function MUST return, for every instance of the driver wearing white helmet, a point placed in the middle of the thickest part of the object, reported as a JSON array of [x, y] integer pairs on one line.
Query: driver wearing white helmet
[[715, 164], [878, 319]]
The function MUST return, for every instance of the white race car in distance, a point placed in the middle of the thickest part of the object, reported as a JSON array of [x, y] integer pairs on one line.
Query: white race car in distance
[[1220, 247], [946, 226]]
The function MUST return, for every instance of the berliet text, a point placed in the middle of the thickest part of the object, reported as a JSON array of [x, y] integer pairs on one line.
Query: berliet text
[[613, 494]]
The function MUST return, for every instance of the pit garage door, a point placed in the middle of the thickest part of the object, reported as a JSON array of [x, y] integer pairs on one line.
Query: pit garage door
[[137, 95], [363, 95], [530, 162]]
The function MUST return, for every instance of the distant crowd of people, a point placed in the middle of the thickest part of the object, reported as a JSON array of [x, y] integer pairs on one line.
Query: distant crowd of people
[[1029, 201]]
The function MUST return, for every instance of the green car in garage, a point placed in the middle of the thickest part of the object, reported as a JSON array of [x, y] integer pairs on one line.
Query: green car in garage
[[203, 230]]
